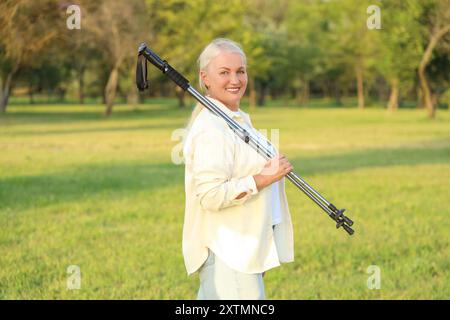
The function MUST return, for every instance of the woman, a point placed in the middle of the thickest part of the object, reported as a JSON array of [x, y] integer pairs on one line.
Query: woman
[[237, 222]]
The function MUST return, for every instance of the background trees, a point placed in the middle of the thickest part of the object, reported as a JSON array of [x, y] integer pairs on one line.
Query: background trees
[[116, 27], [436, 21], [295, 49], [25, 34], [401, 48]]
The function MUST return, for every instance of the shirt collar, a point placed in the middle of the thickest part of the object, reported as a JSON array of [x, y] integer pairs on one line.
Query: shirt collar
[[234, 115]]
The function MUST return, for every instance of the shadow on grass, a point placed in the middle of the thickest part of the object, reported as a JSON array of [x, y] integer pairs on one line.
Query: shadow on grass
[[82, 113], [83, 182], [116, 179], [438, 152], [173, 125]]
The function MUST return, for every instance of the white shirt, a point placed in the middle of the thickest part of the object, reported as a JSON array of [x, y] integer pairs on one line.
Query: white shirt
[[219, 167], [276, 207]]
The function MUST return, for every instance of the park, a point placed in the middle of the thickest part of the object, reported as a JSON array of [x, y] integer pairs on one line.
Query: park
[[87, 172]]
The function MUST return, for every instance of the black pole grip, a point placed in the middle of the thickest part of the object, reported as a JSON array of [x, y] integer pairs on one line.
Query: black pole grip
[[164, 66], [340, 214], [151, 56], [349, 230], [176, 76], [348, 221]]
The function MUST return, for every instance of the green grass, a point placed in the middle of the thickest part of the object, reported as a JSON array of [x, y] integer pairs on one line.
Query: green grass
[[103, 194]]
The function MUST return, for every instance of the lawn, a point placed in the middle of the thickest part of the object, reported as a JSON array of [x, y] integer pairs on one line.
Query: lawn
[[104, 195]]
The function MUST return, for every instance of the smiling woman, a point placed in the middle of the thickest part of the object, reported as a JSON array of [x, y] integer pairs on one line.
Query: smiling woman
[[237, 222], [225, 78]]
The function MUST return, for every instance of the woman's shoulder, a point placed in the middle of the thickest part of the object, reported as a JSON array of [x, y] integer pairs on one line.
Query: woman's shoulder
[[207, 121], [210, 127]]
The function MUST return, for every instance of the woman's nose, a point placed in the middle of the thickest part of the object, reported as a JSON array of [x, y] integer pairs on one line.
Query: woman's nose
[[234, 79]]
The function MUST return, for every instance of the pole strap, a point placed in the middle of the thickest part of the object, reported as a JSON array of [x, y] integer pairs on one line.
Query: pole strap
[[141, 73]]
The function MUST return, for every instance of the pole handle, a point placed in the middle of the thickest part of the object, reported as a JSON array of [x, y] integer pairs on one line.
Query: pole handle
[[164, 66], [151, 56], [349, 230]]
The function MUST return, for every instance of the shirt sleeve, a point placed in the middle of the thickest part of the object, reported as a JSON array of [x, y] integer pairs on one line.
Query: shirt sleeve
[[213, 163]]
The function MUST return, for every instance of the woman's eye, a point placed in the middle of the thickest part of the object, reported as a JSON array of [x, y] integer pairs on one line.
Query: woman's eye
[[227, 72]]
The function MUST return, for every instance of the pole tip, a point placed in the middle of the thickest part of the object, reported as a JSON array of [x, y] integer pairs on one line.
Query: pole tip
[[142, 47]]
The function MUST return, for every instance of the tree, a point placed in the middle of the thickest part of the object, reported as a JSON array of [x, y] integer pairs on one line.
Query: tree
[[400, 47], [186, 27], [306, 28], [351, 44], [437, 16], [26, 29], [117, 28], [264, 41]]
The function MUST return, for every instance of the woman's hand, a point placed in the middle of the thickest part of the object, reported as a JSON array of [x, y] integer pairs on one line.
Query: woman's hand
[[274, 170]]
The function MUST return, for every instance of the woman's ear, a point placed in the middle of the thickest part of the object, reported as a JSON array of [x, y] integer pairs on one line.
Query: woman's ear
[[204, 77]]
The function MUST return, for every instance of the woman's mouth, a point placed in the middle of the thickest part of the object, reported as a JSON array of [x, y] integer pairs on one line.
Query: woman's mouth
[[233, 90]]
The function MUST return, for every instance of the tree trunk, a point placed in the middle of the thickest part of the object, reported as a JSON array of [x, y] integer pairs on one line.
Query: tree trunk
[[30, 93], [303, 95], [419, 99], [61, 94], [133, 97], [110, 91], [261, 94], [5, 89], [81, 85], [326, 93], [425, 94], [393, 99], [345, 91], [360, 86], [425, 89], [180, 96], [252, 93], [306, 91], [338, 95]]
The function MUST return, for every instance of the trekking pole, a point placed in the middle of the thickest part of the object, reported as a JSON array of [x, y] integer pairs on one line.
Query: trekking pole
[[145, 53]]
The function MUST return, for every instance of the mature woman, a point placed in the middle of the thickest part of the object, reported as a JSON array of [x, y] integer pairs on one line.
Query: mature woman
[[237, 222]]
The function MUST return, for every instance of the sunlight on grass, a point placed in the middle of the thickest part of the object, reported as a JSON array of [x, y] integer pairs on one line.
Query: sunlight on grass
[[79, 189]]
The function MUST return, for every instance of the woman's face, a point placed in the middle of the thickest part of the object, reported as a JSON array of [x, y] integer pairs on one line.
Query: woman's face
[[226, 78]]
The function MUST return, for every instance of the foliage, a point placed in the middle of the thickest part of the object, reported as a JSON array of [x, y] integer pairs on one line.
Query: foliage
[[294, 47]]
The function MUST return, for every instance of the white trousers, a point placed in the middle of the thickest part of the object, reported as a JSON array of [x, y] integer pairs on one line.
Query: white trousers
[[220, 282]]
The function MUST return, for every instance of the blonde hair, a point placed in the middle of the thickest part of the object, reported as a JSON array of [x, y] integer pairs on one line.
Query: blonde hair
[[211, 51]]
